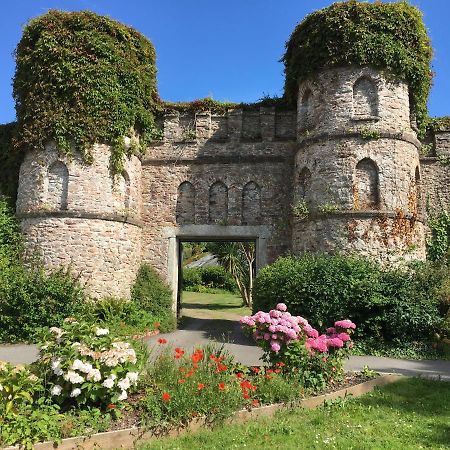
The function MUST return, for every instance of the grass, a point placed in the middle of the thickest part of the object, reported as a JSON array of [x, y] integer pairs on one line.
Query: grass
[[223, 305], [409, 414]]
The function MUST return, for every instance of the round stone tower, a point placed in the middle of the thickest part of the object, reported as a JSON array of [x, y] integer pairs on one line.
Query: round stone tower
[[357, 172], [79, 215]]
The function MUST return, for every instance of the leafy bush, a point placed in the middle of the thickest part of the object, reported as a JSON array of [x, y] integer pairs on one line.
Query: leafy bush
[[86, 365], [204, 278], [152, 295], [386, 304], [438, 243]]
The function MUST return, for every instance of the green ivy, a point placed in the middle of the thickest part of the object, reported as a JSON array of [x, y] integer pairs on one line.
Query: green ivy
[[438, 243], [388, 36], [9, 162], [82, 78]]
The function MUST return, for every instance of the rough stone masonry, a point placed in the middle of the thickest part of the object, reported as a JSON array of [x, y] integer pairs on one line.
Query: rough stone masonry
[[343, 172]]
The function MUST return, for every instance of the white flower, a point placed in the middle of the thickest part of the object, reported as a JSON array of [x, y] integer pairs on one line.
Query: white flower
[[76, 344], [73, 377], [124, 384], [56, 389], [108, 383], [56, 331], [76, 392], [123, 396], [101, 331], [1, 387], [81, 366], [44, 347], [56, 362], [94, 374], [58, 371], [132, 376]]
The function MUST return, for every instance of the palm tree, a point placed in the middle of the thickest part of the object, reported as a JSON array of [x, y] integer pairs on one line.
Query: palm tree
[[238, 258]]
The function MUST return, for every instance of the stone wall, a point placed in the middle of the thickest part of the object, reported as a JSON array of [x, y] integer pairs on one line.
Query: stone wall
[[357, 153], [78, 215]]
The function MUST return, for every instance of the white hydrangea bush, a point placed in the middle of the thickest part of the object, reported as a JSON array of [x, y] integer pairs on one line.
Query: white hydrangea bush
[[86, 365]]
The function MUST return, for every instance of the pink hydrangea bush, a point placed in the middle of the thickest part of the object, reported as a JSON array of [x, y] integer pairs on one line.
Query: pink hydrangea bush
[[85, 364], [292, 341]]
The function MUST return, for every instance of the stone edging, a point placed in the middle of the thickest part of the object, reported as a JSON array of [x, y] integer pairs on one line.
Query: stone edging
[[129, 437]]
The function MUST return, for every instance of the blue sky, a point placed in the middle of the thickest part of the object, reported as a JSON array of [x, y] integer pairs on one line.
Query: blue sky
[[226, 49]]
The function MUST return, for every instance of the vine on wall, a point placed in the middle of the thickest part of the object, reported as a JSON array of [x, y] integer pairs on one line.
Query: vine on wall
[[388, 36], [82, 78]]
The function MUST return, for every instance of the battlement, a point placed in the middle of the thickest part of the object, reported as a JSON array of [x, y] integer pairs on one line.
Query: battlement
[[265, 124]]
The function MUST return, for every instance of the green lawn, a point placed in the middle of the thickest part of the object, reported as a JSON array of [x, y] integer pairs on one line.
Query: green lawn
[[410, 414], [223, 305]]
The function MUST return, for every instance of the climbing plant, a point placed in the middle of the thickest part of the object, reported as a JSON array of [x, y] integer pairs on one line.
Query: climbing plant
[[9, 162], [438, 243], [83, 78], [388, 36]]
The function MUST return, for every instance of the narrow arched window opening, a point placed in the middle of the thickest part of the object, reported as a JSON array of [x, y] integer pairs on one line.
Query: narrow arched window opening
[[304, 180], [218, 203], [185, 210], [58, 186], [366, 191], [306, 110], [365, 98], [251, 204]]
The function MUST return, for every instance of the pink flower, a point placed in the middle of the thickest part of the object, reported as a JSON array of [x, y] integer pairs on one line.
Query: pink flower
[[311, 332], [331, 330], [345, 324], [335, 342], [274, 313], [343, 337], [266, 336], [281, 307], [275, 346], [316, 344]]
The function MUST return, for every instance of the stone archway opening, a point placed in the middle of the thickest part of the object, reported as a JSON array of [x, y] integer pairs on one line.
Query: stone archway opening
[[208, 298]]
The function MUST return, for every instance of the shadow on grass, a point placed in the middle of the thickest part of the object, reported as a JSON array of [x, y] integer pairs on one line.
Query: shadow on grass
[[219, 330]]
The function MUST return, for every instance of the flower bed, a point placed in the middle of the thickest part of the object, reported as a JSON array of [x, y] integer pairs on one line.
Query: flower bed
[[88, 380]]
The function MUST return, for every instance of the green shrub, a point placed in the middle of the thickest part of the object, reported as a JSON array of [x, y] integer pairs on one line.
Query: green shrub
[[152, 295], [204, 278], [385, 304]]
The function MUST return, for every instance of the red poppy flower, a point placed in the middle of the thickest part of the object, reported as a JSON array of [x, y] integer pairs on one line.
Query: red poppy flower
[[245, 384], [213, 357], [246, 395], [269, 371], [166, 396], [190, 373], [162, 341], [269, 377], [255, 403], [280, 364], [111, 406], [221, 386], [255, 369], [197, 356], [239, 375], [200, 386], [182, 381], [221, 367], [277, 370], [156, 324]]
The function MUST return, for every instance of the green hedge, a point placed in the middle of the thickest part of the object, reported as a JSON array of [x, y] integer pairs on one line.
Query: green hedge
[[153, 296], [385, 304], [212, 277]]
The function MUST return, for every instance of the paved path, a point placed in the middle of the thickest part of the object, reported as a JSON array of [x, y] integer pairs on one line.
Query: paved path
[[197, 331]]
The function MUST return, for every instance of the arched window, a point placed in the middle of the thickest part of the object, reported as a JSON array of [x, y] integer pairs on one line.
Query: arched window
[[365, 98], [218, 203], [185, 212], [58, 186], [251, 204], [304, 180], [366, 192], [306, 110]]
